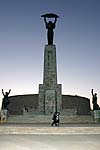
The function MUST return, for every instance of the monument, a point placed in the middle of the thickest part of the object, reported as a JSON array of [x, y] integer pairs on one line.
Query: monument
[[50, 96]]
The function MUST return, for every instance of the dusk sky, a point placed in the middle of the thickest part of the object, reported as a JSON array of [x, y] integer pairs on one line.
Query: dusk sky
[[23, 38]]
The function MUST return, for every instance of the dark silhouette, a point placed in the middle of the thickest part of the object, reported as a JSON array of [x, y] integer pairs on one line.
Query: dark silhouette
[[50, 26], [55, 119], [94, 101], [5, 102]]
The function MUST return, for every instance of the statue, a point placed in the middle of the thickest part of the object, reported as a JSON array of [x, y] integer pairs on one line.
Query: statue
[[94, 101], [5, 99], [50, 26]]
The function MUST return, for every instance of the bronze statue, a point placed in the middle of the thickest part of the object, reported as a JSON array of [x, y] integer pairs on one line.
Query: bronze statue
[[50, 26], [94, 101], [5, 99]]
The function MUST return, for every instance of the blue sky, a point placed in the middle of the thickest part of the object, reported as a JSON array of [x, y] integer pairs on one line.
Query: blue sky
[[77, 40]]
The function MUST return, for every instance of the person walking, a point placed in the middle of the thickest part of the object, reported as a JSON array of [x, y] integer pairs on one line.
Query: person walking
[[55, 119]]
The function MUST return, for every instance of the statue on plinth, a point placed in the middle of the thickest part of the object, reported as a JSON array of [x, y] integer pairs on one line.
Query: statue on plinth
[[94, 101], [50, 26], [5, 102]]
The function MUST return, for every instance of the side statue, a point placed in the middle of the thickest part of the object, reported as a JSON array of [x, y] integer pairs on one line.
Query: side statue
[[94, 101], [5, 102], [50, 26]]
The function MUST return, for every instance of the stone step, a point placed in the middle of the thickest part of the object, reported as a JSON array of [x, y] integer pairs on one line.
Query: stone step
[[48, 119], [11, 129]]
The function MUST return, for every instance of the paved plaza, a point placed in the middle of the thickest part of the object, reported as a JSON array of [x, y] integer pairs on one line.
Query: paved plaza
[[49, 142], [45, 137]]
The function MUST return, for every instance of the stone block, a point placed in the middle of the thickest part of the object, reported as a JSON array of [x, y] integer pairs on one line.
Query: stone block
[[3, 115], [96, 115]]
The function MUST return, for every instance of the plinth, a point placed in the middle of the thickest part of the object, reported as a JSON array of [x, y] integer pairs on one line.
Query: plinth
[[50, 97], [4, 114], [96, 114]]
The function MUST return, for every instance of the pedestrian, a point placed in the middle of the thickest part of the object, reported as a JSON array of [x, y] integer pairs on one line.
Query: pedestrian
[[57, 118], [54, 119]]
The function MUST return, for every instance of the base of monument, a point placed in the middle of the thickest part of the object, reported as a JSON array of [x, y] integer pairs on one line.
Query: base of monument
[[96, 115], [3, 115]]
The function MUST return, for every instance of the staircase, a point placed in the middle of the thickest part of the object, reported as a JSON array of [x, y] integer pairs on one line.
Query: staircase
[[48, 118]]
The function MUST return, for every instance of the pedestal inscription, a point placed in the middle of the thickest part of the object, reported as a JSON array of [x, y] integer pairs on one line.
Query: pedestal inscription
[[49, 101]]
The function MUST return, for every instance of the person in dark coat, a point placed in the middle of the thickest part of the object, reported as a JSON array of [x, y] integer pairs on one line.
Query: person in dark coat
[[55, 119]]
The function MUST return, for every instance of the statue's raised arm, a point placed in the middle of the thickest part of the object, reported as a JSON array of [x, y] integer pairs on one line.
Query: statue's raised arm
[[46, 23], [9, 91], [92, 92], [3, 92], [55, 21]]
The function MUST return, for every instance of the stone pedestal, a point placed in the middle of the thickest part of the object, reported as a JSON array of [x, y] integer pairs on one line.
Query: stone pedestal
[[96, 115], [3, 115], [50, 99]]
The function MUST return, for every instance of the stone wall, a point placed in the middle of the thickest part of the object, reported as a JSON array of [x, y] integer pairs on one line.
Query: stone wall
[[81, 104], [18, 102]]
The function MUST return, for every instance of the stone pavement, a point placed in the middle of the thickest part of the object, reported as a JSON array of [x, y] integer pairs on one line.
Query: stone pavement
[[45, 137], [50, 142]]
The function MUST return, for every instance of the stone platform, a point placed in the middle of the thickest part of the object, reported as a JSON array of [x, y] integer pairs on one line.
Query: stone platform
[[64, 119]]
